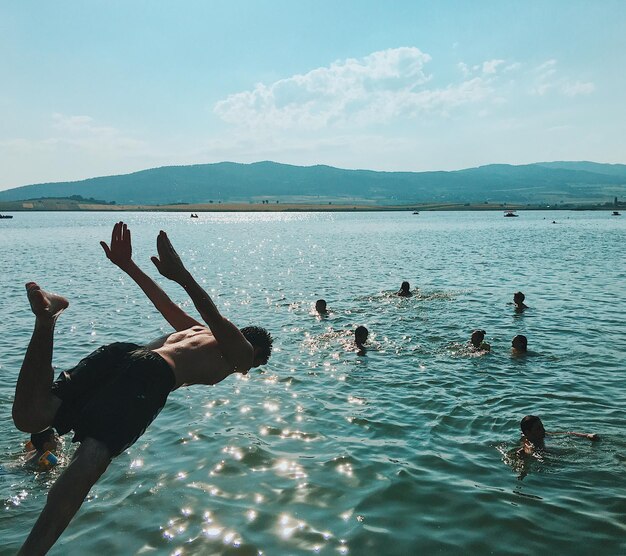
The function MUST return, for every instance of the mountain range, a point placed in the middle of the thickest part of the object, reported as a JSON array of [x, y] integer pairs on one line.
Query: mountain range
[[544, 182]]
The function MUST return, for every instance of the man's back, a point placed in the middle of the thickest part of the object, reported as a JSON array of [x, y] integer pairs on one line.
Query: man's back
[[193, 355]]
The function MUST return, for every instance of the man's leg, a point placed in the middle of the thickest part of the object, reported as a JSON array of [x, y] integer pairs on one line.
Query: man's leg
[[66, 496], [34, 406]]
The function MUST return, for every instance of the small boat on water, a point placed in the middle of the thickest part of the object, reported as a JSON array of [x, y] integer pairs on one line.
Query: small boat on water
[[6, 216], [193, 215], [616, 213], [416, 212], [510, 213]]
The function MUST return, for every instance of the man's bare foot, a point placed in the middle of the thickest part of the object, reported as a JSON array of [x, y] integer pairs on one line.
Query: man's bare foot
[[43, 304]]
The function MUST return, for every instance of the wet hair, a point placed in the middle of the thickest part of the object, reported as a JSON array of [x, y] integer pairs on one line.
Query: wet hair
[[528, 423], [405, 286], [320, 305], [361, 333], [38, 439], [519, 297], [522, 341], [260, 339], [478, 333]]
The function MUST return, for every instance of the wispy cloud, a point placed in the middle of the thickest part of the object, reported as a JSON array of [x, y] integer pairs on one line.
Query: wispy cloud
[[80, 133], [72, 147], [378, 88], [545, 78], [578, 88], [542, 81], [491, 66], [83, 132]]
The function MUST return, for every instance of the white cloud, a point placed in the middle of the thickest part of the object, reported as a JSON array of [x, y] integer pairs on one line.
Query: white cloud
[[82, 132], [545, 78], [487, 68], [543, 81], [376, 89], [578, 88], [547, 68], [74, 147], [491, 66]]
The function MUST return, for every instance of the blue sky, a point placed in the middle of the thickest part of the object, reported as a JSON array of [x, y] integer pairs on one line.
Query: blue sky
[[104, 87]]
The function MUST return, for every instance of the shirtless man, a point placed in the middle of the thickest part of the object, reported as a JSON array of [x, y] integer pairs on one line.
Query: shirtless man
[[360, 337], [41, 448], [320, 307], [519, 345], [112, 395], [518, 300], [533, 435], [477, 342], [405, 290]]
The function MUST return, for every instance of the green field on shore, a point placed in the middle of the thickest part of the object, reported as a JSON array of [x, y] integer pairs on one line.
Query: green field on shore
[[65, 204]]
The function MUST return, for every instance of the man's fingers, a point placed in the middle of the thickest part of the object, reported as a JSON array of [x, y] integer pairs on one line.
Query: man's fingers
[[107, 251], [160, 245], [156, 262], [167, 241], [125, 236], [160, 240], [168, 245], [164, 245]]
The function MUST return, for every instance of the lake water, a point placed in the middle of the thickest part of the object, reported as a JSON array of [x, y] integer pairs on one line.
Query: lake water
[[405, 449]]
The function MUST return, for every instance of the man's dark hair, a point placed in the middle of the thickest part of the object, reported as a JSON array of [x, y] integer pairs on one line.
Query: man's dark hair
[[479, 336], [529, 422], [519, 296], [520, 342], [405, 286], [40, 438], [260, 339], [361, 333]]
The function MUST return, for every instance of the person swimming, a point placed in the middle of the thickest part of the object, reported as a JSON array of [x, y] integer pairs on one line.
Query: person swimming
[[534, 434], [477, 341], [320, 306], [518, 299], [360, 337], [405, 290], [42, 449], [519, 345]]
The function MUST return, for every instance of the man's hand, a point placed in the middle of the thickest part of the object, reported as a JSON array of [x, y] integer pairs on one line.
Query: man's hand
[[120, 253], [168, 262]]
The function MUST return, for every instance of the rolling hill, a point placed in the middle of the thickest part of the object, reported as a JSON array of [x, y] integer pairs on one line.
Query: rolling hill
[[547, 182]]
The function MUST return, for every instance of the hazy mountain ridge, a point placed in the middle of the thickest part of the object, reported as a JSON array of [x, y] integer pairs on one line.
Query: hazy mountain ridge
[[230, 181]]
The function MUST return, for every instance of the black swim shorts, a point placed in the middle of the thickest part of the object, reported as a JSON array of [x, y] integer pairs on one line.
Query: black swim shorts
[[113, 395]]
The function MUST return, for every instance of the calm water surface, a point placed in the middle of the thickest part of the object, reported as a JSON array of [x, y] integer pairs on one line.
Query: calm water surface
[[405, 449]]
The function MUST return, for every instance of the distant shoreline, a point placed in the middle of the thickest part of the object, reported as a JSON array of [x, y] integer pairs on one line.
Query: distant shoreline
[[46, 205]]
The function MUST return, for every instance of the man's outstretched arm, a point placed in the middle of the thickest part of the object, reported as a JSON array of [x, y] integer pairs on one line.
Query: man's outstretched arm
[[120, 254], [233, 344], [590, 436]]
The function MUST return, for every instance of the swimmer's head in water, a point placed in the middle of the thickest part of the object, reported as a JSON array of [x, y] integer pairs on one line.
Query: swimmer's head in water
[[320, 305], [518, 297], [520, 343], [405, 286], [360, 335], [261, 341], [45, 440], [477, 337], [532, 428]]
